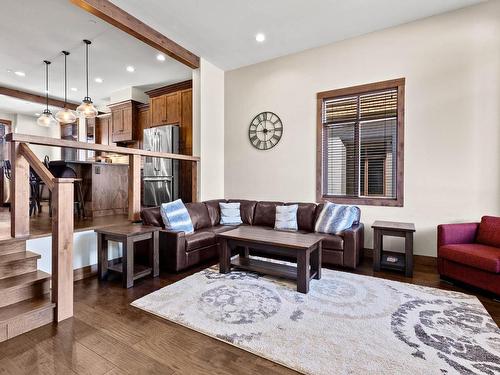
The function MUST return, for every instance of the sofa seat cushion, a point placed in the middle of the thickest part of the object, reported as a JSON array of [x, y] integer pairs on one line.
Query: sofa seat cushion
[[475, 255], [222, 228], [489, 231], [333, 242], [200, 238]]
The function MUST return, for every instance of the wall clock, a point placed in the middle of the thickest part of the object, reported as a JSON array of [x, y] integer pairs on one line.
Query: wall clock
[[265, 131]]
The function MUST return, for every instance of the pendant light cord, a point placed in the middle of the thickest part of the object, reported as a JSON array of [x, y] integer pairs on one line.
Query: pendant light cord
[[65, 53], [47, 83], [87, 64]]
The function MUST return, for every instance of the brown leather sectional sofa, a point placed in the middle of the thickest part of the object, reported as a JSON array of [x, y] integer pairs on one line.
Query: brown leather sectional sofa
[[179, 250]]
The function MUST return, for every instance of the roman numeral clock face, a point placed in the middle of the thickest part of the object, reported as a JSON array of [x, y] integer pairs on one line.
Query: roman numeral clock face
[[265, 131]]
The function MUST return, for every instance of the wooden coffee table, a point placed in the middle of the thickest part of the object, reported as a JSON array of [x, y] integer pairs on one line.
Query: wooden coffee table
[[305, 248]]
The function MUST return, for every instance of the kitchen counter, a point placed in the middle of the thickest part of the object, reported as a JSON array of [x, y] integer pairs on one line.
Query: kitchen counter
[[105, 186]]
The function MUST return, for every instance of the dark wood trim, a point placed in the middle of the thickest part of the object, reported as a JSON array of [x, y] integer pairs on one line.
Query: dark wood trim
[[123, 104], [185, 85], [320, 168], [423, 260], [5, 122], [117, 17], [35, 98], [85, 272]]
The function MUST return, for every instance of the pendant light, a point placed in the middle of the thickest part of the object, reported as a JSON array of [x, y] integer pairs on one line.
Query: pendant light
[[87, 109], [65, 115], [46, 119]]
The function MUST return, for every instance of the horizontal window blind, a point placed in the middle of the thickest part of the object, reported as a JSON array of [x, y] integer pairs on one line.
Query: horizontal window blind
[[360, 145]]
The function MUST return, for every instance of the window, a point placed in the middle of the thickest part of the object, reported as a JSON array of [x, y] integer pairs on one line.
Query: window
[[360, 144]]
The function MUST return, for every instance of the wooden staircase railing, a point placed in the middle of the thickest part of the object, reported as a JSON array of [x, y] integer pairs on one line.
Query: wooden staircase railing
[[22, 157], [62, 222]]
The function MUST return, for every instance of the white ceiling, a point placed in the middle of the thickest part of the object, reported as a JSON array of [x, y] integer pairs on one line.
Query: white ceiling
[[223, 31], [22, 107], [33, 30]]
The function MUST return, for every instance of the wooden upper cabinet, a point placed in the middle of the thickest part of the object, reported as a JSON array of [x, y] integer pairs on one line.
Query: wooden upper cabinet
[[158, 109], [102, 130], [123, 121], [173, 108], [143, 121]]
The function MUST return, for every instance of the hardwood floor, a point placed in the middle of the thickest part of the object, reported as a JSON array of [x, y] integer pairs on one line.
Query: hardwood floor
[[41, 224], [108, 336]]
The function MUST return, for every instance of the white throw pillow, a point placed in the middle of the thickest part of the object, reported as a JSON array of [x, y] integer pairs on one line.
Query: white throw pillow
[[176, 217], [286, 217], [230, 214]]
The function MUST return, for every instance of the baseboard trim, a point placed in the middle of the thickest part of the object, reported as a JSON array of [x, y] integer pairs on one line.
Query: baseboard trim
[[417, 259]]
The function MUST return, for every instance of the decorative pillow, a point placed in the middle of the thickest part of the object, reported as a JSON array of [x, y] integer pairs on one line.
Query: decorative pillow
[[335, 218], [230, 213], [286, 217], [176, 217]]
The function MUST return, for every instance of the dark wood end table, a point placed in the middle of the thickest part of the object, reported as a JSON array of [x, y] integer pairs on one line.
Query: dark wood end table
[[305, 248], [128, 235], [396, 229]]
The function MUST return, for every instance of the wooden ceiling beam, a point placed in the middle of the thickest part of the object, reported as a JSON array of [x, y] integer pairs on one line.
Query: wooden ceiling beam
[[117, 17], [35, 98]]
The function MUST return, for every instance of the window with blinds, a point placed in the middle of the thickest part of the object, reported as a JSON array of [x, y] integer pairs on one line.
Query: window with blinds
[[359, 155]]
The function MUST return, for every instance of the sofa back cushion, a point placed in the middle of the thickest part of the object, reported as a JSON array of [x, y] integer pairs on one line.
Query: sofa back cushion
[[247, 209], [152, 216], [265, 213], [488, 232], [199, 215], [306, 216], [214, 211]]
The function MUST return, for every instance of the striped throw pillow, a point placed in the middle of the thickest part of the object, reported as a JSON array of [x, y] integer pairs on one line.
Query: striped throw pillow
[[336, 218], [230, 214], [176, 217], [286, 217]]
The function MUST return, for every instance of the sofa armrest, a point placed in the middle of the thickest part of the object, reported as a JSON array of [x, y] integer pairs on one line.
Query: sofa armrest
[[353, 245], [449, 234], [172, 249]]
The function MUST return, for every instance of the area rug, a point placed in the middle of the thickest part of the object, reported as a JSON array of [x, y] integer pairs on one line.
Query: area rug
[[346, 324]]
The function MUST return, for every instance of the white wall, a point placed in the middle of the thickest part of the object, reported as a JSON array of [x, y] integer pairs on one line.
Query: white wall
[[27, 125], [208, 129], [452, 124], [84, 250]]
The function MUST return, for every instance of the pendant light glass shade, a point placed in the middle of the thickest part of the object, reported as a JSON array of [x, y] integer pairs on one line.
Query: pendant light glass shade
[[65, 115], [87, 108], [46, 119]]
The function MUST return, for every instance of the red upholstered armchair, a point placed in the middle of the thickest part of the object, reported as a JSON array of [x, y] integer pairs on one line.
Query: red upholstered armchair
[[470, 253]]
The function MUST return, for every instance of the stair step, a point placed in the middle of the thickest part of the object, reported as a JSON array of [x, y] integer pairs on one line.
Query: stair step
[[12, 245], [18, 263], [21, 287], [25, 316]]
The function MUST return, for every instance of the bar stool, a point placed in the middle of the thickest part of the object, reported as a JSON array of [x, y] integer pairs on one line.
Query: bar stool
[[67, 172]]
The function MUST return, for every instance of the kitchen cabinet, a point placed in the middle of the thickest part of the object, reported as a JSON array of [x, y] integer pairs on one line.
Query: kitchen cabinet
[[123, 120], [143, 122], [165, 109], [102, 130]]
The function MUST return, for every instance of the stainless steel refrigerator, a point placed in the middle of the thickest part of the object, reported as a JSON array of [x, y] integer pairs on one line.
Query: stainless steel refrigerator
[[161, 176]]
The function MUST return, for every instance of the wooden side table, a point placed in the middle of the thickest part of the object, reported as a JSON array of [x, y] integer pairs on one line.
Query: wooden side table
[[128, 235], [380, 256]]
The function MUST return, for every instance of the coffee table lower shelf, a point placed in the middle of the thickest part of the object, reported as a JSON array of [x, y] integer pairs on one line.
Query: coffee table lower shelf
[[267, 268]]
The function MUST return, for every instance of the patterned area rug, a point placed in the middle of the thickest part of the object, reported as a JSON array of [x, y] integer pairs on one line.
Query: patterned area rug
[[346, 324]]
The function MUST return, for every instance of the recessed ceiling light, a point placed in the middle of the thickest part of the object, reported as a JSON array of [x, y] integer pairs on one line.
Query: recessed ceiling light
[[98, 80], [19, 73], [37, 114], [260, 37], [130, 69], [74, 89], [160, 57]]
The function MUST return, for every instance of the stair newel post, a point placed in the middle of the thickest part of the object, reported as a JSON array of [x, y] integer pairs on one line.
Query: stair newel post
[[62, 248], [134, 188], [20, 188]]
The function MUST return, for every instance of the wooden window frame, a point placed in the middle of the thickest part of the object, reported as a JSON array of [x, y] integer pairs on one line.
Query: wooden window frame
[[398, 84]]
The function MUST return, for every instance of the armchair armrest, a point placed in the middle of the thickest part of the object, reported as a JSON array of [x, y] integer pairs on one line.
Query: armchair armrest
[[449, 234], [353, 245]]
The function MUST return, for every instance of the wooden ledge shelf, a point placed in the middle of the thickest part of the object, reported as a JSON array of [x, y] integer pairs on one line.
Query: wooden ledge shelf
[[47, 141]]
